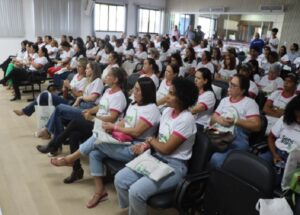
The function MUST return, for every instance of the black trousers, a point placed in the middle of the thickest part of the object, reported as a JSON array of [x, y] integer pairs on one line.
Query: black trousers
[[77, 132], [17, 76]]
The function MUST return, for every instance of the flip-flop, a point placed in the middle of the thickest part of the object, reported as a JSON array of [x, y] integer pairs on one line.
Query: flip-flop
[[98, 198]]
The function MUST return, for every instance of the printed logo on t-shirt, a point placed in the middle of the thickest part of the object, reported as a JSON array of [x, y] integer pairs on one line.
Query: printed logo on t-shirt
[[287, 141], [164, 137]]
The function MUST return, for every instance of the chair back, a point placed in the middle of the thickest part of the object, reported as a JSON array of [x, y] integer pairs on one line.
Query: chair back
[[236, 187]]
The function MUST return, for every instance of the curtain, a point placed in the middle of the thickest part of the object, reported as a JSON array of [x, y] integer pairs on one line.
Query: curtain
[[11, 22], [57, 17]]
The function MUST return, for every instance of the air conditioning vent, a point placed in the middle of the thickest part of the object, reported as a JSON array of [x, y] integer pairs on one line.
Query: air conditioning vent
[[272, 8]]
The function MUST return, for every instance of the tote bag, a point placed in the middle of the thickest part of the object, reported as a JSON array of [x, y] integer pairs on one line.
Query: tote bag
[[43, 113]]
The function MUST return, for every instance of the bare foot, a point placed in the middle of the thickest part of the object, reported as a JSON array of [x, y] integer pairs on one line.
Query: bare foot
[[19, 112]]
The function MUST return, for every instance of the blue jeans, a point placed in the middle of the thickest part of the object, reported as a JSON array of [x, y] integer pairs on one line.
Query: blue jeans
[[135, 189], [97, 152], [56, 100], [239, 143], [58, 79], [62, 112]]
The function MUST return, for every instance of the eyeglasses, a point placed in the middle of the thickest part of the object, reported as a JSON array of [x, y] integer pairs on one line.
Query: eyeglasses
[[232, 85]]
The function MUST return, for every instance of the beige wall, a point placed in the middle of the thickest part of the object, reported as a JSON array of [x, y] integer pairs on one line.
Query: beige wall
[[291, 22]]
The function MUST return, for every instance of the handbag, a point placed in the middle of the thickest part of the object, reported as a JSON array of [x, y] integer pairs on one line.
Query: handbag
[[220, 141], [115, 138], [43, 113]]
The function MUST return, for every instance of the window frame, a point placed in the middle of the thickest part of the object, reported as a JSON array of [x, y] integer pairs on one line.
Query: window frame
[[109, 4], [139, 16]]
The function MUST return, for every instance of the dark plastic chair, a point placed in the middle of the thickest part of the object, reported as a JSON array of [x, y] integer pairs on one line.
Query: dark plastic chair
[[198, 163], [235, 187]]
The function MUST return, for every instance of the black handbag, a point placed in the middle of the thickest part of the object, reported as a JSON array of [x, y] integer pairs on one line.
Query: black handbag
[[220, 141]]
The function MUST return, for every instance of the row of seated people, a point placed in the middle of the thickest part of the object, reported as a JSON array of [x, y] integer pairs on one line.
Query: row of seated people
[[162, 51], [61, 113], [141, 121]]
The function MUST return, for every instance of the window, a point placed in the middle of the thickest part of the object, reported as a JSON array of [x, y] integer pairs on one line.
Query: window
[[11, 21], [149, 21], [109, 17], [57, 17], [207, 26]]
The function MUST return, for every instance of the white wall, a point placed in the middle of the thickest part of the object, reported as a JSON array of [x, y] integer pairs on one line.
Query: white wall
[[10, 46]]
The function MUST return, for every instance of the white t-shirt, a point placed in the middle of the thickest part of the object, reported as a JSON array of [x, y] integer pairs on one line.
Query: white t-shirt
[[182, 126], [91, 53], [154, 79], [111, 102], [40, 60], [148, 113], [209, 66], [141, 55], [77, 84], [269, 86], [253, 89], [104, 58], [274, 42], [107, 69], [96, 87], [186, 66], [67, 54], [162, 91], [279, 100], [208, 100], [226, 73], [287, 136], [54, 51], [119, 50], [246, 107]]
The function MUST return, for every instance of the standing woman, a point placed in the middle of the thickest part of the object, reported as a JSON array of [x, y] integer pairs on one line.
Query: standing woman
[[206, 99], [174, 145], [238, 112], [18, 75]]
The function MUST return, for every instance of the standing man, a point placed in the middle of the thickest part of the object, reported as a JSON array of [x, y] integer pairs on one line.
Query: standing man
[[199, 34], [175, 32], [274, 41], [257, 42], [190, 34]]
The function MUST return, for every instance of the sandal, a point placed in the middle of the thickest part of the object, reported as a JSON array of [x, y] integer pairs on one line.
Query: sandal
[[97, 198], [61, 161]]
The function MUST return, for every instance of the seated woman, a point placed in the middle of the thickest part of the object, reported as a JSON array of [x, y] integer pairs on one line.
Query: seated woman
[[65, 57], [90, 98], [239, 113], [18, 75], [227, 70], [189, 62], [206, 98], [206, 62], [111, 107], [171, 72], [284, 135], [113, 61], [150, 69], [174, 145], [246, 70], [277, 101], [141, 121], [271, 82], [69, 68], [76, 86]]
